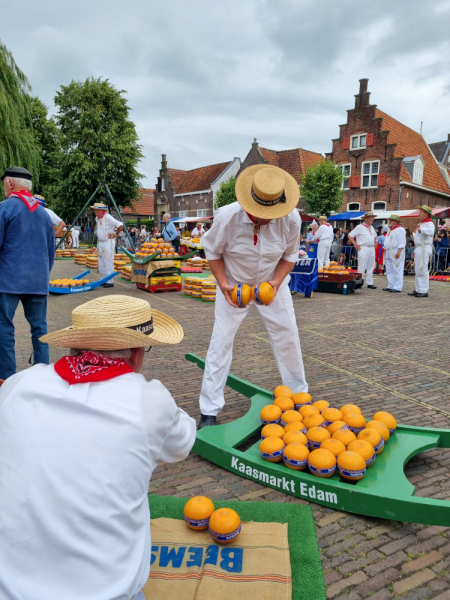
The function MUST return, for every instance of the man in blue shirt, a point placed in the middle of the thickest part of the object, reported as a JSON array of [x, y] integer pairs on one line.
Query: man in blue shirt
[[27, 253], [169, 232]]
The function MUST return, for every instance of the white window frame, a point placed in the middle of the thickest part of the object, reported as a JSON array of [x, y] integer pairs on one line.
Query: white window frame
[[353, 209], [370, 175], [346, 177], [378, 202], [418, 172], [358, 146], [202, 212], [183, 214]]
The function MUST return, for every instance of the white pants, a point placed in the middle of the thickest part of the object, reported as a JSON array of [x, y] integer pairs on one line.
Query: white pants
[[323, 252], [422, 274], [105, 251], [281, 325], [394, 273], [366, 262], [75, 242]]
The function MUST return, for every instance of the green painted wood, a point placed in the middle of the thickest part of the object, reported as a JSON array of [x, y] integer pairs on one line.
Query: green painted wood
[[384, 492]]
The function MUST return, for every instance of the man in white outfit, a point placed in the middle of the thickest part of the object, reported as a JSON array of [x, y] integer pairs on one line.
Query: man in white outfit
[[57, 222], [394, 248], [108, 228], [253, 240], [79, 440], [423, 240], [364, 238], [75, 237], [324, 235]]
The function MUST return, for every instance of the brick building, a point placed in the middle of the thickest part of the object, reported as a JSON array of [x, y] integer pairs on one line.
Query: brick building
[[294, 161], [191, 193], [386, 165], [441, 151], [143, 208]]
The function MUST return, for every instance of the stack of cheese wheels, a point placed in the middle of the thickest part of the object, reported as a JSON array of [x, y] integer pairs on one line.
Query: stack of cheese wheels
[[67, 253], [59, 253], [188, 286], [205, 263], [119, 263], [209, 290], [73, 251], [92, 262], [197, 283], [126, 272], [197, 262], [80, 259]]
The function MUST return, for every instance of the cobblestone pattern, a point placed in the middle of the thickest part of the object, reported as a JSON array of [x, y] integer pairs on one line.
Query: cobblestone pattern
[[379, 350]]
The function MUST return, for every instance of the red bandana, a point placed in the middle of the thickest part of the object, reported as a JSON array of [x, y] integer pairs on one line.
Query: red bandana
[[27, 198], [392, 229], [255, 229], [89, 367], [427, 220]]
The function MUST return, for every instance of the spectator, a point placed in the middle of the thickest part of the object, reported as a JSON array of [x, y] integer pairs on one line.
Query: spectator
[[176, 243], [88, 229], [198, 231], [379, 252], [347, 254], [336, 245], [442, 249], [409, 235], [169, 232], [409, 258], [143, 231], [312, 230], [186, 233]]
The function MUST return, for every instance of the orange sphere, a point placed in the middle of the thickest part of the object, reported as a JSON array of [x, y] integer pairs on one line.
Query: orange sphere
[[295, 426], [322, 463], [197, 512], [295, 456], [334, 446], [336, 426], [301, 399], [308, 410], [345, 436], [270, 414], [224, 525], [350, 409], [290, 416], [381, 428], [284, 403], [355, 421], [262, 293], [272, 430], [365, 449], [295, 437], [313, 421], [321, 405], [351, 466], [374, 438], [282, 390], [271, 449], [331, 415], [241, 294], [386, 418], [316, 435]]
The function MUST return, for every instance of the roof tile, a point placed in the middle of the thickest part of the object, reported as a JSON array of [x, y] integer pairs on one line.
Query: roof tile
[[294, 161], [144, 206], [197, 179]]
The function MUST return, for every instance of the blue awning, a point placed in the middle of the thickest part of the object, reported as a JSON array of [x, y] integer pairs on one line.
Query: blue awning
[[346, 216]]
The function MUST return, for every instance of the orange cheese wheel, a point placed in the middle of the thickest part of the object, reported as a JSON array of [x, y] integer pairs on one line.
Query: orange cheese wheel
[[344, 435], [334, 446], [374, 438], [295, 456]]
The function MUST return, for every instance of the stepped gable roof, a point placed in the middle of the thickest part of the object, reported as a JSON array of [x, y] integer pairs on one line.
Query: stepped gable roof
[[411, 143], [196, 179], [176, 176], [144, 206], [293, 161]]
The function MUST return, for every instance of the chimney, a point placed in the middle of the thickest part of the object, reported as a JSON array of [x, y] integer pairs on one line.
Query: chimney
[[255, 144], [362, 99], [448, 138]]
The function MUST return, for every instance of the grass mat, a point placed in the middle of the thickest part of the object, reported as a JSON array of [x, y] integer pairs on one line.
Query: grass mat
[[307, 576]]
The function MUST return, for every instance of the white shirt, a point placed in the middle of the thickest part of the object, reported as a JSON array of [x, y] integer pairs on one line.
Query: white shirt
[[196, 232], [325, 232], [231, 238], [425, 235], [364, 235], [107, 224], [395, 239], [75, 464], [54, 217]]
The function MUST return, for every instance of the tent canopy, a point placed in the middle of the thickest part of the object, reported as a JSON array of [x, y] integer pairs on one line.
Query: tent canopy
[[191, 219], [346, 216], [441, 213]]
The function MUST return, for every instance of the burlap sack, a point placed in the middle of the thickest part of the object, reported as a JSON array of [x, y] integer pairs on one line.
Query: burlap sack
[[141, 273], [189, 565]]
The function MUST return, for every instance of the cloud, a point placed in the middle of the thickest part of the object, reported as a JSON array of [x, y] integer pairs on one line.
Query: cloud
[[203, 79]]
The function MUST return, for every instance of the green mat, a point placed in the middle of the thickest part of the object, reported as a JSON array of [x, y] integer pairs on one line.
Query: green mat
[[307, 576]]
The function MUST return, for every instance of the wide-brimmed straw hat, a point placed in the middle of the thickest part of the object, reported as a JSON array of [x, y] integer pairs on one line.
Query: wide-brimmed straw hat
[[322, 218], [99, 206], [368, 214], [116, 323], [394, 218], [426, 209], [267, 192]]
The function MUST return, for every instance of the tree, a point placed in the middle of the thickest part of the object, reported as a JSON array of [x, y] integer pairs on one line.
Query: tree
[[226, 194], [98, 144], [321, 188], [17, 146]]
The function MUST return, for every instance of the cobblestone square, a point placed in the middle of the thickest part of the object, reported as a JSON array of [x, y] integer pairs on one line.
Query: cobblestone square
[[382, 351]]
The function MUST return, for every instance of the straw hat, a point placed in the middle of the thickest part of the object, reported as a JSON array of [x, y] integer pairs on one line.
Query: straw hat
[[322, 218], [267, 192], [99, 206], [426, 209], [394, 218], [368, 214], [116, 323]]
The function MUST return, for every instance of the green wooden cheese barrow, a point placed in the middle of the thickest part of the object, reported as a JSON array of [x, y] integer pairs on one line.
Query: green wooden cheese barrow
[[384, 492], [142, 261]]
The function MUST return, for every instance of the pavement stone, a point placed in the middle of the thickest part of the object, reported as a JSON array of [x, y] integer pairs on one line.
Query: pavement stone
[[404, 371]]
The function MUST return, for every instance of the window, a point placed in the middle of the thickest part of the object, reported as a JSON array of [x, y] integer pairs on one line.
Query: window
[[358, 141], [418, 172], [378, 205], [353, 206], [202, 212], [346, 171], [414, 166], [370, 172], [183, 213]]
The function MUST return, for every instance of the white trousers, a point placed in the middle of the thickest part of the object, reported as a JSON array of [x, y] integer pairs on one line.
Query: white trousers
[[394, 273], [281, 325], [323, 252], [422, 275], [105, 251], [75, 242], [366, 262]]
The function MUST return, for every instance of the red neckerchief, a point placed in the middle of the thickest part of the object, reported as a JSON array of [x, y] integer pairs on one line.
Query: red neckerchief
[[368, 227], [255, 229], [427, 220], [327, 224], [392, 229], [89, 367], [27, 198]]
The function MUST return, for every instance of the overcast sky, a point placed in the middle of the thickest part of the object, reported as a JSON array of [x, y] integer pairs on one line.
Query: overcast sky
[[204, 78]]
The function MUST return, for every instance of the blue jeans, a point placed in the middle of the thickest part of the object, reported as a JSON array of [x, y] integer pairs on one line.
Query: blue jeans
[[35, 309]]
